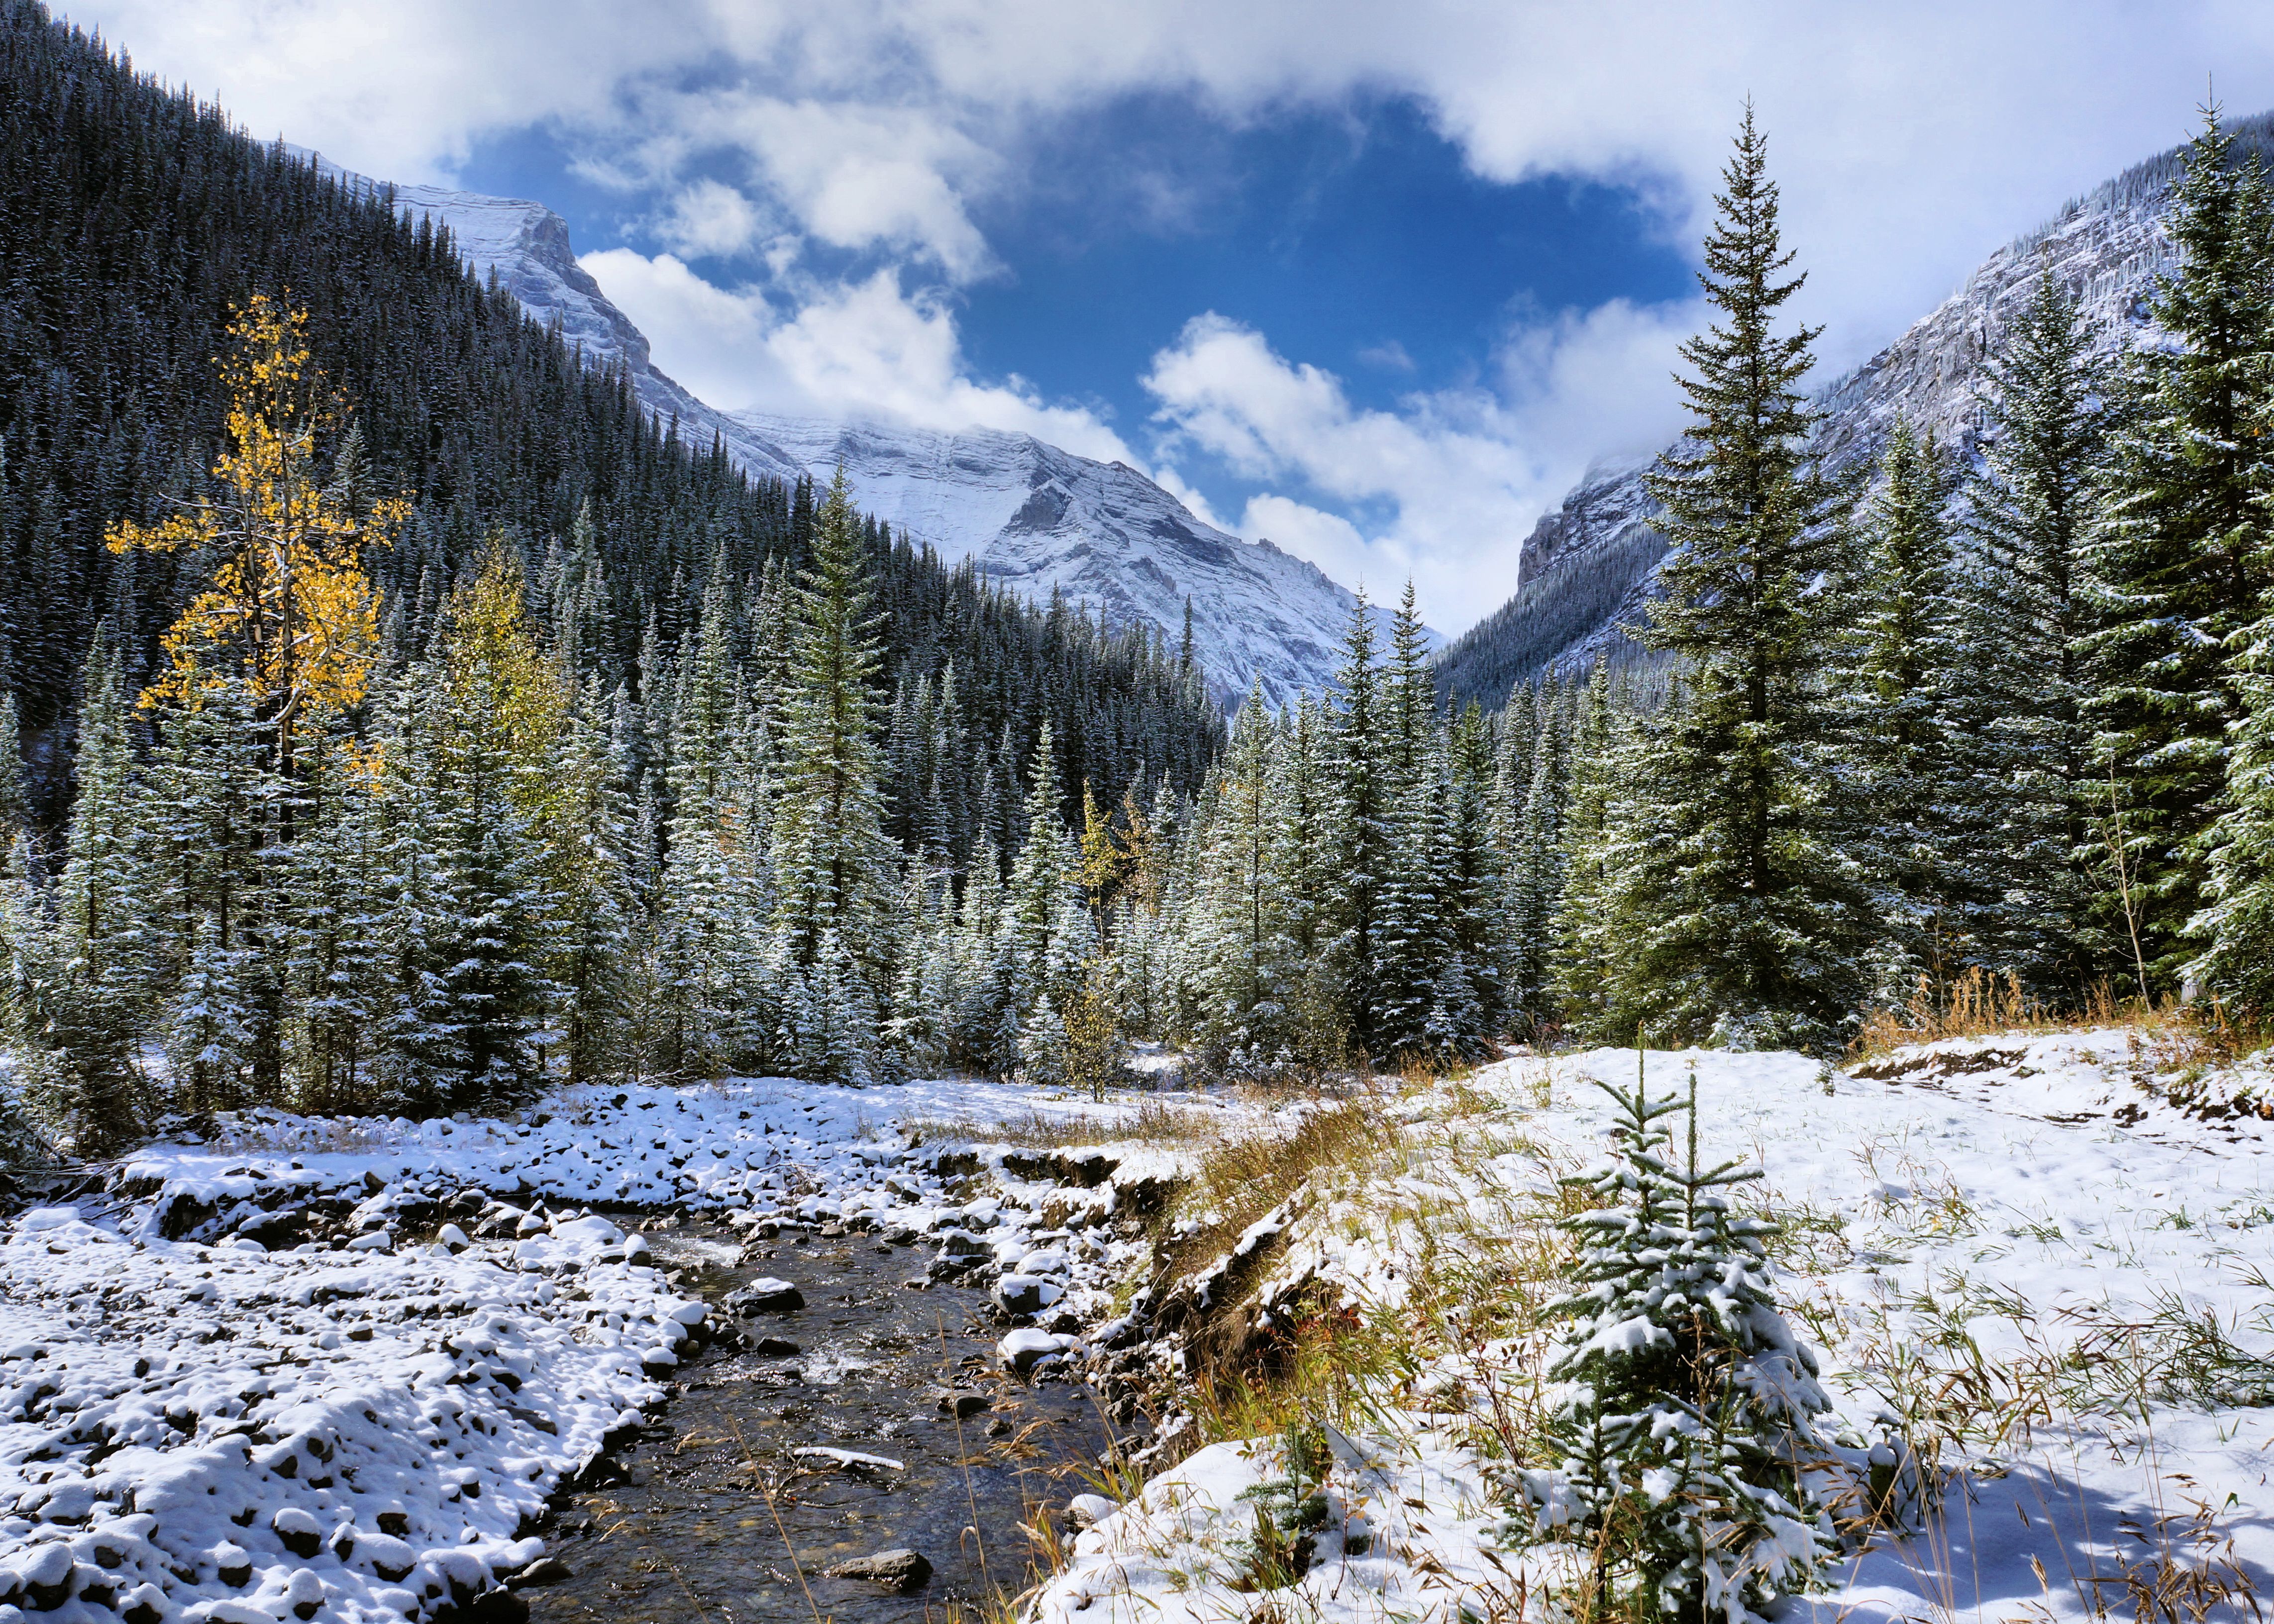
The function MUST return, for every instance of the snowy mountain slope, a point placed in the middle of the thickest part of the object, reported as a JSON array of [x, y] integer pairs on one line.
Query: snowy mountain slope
[[2108, 248], [1041, 519], [1028, 515]]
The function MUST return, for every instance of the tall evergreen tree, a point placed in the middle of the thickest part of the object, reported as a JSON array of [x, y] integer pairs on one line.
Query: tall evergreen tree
[[2181, 564], [834, 865], [1916, 733], [1364, 800], [2032, 508], [1753, 923]]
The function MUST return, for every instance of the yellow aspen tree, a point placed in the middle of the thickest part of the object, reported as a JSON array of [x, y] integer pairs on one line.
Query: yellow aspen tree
[[289, 605], [1100, 868]]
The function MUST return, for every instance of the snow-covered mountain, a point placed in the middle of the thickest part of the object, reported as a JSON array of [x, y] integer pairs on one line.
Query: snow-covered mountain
[[1587, 566], [1028, 515]]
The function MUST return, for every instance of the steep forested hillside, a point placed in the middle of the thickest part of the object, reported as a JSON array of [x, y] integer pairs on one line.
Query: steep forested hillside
[[137, 219]]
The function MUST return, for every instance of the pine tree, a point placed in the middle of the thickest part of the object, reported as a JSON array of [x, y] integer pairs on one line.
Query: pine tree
[[1238, 937], [834, 865], [2180, 566], [2237, 922], [334, 896], [84, 991], [2032, 508], [1363, 811], [1916, 730], [1682, 1407], [1752, 922]]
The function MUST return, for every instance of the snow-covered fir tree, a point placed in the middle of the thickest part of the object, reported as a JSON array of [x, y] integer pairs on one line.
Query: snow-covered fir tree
[[2181, 561], [1681, 1409], [1752, 921]]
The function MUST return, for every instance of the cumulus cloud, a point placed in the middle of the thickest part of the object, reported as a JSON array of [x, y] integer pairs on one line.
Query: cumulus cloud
[[711, 218], [860, 349], [1909, 140], [1457, 477]]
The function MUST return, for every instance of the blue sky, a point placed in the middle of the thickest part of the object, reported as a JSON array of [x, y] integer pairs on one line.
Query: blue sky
[[1357, 235], [1375, 280]]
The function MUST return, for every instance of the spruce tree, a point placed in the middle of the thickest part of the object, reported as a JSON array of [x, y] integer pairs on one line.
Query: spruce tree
[[86, 985], [1682, 1408], [2180, 566], [834, 867], [1753, 922], [2032, 509], [1363, 812], [1917, 731]]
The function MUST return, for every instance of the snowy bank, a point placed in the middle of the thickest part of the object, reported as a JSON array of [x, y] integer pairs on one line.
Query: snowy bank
[[334, 1367], [2043, 1260]]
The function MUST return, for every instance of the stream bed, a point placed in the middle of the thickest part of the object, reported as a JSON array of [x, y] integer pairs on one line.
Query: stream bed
[[714, 1516]]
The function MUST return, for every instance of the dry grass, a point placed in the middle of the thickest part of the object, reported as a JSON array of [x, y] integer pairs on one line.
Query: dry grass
[[2173, 1035], [1979, 1004], [1152, 1120], [1242, 1180]]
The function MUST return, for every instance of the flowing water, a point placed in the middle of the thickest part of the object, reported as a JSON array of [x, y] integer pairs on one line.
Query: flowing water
[[715, 1517]]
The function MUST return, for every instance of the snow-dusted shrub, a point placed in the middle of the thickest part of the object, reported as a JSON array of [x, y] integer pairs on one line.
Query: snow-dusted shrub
[[1681, 1409]]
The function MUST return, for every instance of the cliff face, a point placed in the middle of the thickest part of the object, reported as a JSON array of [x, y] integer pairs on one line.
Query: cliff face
[[2107, 249]]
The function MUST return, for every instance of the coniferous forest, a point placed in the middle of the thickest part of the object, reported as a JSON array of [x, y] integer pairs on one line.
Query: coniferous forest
[[405, 718]]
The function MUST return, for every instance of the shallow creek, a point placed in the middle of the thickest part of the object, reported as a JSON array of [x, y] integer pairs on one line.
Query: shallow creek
[[687, 1532]]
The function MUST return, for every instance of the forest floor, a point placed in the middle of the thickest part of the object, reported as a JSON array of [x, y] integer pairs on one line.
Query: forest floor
[[338, 1368]]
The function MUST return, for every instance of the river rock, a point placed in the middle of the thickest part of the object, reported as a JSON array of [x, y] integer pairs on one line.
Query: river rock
[[544, 1570], [895, 1570], [1022, 1350], [776, 1347], [962, 1405], [1026, 1294], [766, 1296]]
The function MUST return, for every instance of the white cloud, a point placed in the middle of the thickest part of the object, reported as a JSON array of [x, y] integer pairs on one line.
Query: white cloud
[[857, 349], [1909, 140], [1460, 476], [710, 217]]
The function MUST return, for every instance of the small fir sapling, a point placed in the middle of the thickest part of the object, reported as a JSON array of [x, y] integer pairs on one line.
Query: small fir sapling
[[1681, 1412]]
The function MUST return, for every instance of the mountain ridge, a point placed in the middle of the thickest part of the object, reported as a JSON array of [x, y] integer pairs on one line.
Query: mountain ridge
[[1027, 515]]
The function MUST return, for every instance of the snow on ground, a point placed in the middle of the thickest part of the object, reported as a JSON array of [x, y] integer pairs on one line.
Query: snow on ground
[[333, 1367], [2045, 1259]]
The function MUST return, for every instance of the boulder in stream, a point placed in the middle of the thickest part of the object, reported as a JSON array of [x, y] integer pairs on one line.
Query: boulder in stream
[[1022, 1350], [1026, 1294], [895, 1570], [766, 1296]]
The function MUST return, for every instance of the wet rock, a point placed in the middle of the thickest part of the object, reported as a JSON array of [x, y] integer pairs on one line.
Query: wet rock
[[963, 1405], [766, 1296], [895, 1570], [544, 1570], [776, 1347]]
